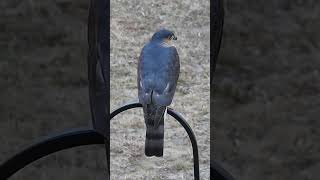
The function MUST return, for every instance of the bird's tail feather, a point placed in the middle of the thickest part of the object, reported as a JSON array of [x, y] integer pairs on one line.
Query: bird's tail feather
[[155, 130]]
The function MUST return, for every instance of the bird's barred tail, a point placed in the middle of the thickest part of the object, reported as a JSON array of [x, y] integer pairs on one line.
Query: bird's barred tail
[[154, 119]]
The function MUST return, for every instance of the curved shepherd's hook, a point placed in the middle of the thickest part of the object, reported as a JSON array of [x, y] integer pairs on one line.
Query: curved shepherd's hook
[[182, 121]]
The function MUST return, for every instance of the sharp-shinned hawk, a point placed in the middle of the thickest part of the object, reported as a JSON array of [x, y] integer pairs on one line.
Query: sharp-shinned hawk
[[158, 73]]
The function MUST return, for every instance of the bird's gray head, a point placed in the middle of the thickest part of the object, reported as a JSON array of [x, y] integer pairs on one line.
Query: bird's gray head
[[162, 35]]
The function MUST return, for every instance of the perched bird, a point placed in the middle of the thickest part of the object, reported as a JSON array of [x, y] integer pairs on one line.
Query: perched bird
[[158, 73]]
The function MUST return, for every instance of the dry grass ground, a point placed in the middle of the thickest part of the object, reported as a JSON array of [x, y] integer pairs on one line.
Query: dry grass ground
[[132, 25], [44, 85]]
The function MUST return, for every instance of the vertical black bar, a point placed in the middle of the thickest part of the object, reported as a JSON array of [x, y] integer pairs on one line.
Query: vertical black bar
[[99, 64], [99, 68], [104, 52], [216, 26]]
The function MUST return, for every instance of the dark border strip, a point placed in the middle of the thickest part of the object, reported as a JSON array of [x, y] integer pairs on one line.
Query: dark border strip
[[216, 27], [99, 68], [99, 64], [216, 31]]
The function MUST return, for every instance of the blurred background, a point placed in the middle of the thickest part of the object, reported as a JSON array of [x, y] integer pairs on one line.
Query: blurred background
[[44, 88], [266, 100]]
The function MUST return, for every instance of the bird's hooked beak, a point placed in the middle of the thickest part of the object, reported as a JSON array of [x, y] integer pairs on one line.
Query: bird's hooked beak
[[174, 37]]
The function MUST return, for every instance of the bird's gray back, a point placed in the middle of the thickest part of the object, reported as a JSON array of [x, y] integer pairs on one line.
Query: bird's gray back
[[158, 72]]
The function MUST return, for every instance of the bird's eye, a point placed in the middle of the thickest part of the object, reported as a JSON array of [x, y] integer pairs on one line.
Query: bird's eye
[[173, 37]]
